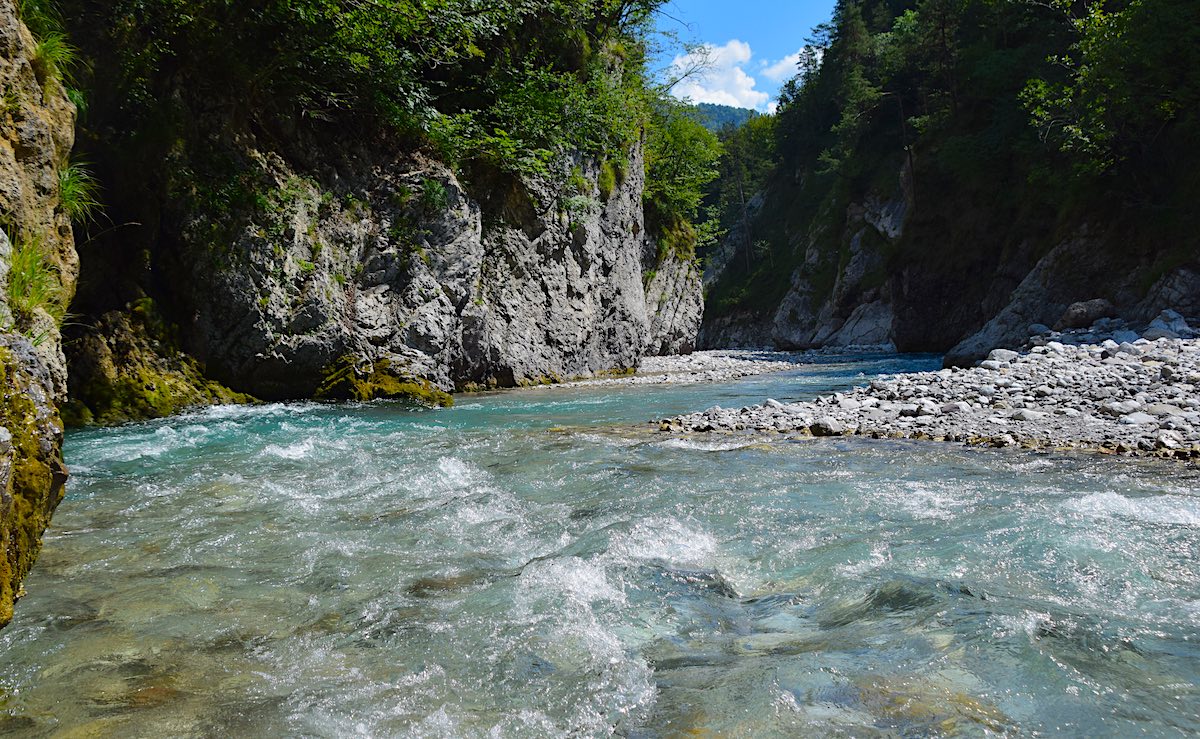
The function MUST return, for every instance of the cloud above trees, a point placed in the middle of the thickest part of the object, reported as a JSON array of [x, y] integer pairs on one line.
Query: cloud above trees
[[719, 75]]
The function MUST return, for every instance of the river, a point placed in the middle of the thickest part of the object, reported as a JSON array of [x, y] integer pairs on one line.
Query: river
[[542, 563]]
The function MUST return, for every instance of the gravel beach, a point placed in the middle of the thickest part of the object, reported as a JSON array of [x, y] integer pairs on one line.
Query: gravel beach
[[706, 366], [1139, 397]]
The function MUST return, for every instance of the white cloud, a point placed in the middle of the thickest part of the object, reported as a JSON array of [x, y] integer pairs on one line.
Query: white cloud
[[724, 80], [784, 69]]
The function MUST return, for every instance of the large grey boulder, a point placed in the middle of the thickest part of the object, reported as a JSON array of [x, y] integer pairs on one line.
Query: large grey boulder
[[1084, 314]]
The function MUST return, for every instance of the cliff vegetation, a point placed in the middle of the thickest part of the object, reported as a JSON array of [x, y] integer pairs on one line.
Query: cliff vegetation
[[294, 183]]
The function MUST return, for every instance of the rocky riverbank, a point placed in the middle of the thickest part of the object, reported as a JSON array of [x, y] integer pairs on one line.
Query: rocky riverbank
[[706, 366], [1137, 397]]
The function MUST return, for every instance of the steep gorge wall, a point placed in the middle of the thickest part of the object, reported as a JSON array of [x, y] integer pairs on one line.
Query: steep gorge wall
[[959, 275], [351, 270], [36, 245]]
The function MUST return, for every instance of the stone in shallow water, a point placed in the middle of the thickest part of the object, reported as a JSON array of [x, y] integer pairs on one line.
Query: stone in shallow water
[[827, 426]]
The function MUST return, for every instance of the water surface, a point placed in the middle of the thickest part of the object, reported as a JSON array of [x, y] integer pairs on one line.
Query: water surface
[[539, 563]]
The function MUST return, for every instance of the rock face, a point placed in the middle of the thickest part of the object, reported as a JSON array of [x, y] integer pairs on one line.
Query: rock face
[[126, 369], [37, 131], [895, 276], [32, 474], [675, 304], [36, 136], [1075, 285], [387, 262], [839, 295]]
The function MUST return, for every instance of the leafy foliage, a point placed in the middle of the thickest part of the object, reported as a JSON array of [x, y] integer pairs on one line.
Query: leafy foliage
[[1003, 118], [681, 158], [1132, 76], [511, 84]]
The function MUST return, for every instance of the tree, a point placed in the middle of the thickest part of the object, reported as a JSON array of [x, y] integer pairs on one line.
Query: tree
[[1132, 80]]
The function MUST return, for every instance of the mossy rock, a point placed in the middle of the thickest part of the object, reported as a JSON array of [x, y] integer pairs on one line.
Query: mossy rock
[[618, 372], [347, 379], [32, 476], [128, 368]]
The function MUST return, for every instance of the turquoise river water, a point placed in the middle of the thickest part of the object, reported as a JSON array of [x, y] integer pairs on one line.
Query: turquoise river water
[[542, 563]]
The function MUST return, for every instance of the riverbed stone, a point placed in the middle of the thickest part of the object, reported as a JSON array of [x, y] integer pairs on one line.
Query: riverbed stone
[[1026, 414], [1137, 419], [827, 426]]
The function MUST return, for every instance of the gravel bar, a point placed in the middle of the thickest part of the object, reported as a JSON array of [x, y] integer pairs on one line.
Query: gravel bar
[[1137, 397], [706, 366]]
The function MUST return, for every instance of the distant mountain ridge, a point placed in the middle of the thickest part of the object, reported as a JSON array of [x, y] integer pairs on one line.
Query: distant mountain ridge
[[716, 117]]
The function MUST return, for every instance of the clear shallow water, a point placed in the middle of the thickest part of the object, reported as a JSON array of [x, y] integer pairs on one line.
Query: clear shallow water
[[531, 564]]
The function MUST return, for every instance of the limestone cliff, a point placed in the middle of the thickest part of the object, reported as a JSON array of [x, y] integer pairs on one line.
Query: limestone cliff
[[838, 295], [38, 268], [950, 276], [400, 263], [335, 254]]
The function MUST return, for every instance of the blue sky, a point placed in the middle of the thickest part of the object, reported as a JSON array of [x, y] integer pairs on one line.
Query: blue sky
[[753, 46]]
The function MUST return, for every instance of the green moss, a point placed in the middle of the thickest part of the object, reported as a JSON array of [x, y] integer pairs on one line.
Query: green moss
[[540, 381], [146, 391], [34, 488], [131, 369], [678, 239], [478, 387], [345, 379], [577, 183], [607, 181], [618, 372]]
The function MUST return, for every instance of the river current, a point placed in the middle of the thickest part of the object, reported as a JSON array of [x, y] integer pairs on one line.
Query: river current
[[541, 563]]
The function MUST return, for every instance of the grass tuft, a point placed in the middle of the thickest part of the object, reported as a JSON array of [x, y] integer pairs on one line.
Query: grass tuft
[[53, 58], [33, 283], [78, 192]]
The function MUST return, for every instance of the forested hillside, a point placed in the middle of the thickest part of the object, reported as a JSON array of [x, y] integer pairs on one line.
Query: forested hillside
[[932, 157], [717, 117]]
